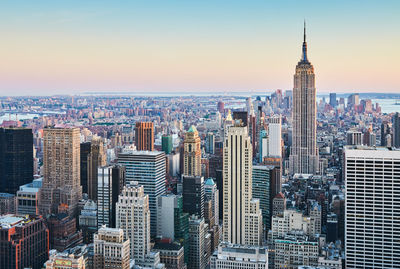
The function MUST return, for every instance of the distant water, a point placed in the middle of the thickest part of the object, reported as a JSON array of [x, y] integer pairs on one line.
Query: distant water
[[387, 105], [9, 116]]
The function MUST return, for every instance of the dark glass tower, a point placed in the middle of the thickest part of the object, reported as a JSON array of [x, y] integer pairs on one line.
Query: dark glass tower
[[16, 158]]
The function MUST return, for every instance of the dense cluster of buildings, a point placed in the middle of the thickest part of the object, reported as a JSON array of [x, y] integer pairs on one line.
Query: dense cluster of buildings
[[192, 182]]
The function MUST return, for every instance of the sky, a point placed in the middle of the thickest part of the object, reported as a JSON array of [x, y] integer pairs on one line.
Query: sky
[[72, 47]]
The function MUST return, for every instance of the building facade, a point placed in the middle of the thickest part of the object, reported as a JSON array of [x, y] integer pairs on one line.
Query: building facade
[[304, 154], [61, 162], [16, 158], [192, 153], [144, 136], [372, 177]]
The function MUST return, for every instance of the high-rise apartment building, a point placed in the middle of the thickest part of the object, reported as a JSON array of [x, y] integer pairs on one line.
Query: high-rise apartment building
[[24, 242], [144, 136], [192, 153], [16, 158], [133, 216], [61, 161], [304, 154], [111, 180], [193, 195], [396, 130], [372, 207], [148, 169], [111, 250], [242, 220]]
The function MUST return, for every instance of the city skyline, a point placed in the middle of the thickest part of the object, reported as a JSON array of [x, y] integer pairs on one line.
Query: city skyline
[[172, 47]]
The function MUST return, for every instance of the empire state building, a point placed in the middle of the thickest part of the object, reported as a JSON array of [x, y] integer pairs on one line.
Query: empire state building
[[304, 155]]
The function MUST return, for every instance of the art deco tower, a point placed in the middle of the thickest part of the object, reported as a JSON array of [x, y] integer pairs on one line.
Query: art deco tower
[[304, 154], [192, 153]]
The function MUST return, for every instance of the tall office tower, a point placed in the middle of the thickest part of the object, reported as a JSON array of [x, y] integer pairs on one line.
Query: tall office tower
[[229, 256], [61, 161], [332, 99], [110, 184], [111, 250], [210, 143], [193, 195], [239, 210], [275, 137], [144, 136], [96, 158], [192, 153], [261, 191], [148, 169], [396, 130], [197, 234], [372, 204], [211, 194], [385, 130], [16, 158], [84, 152], [133, 216], [221, 107], [304, 154], [166, 144], [24, 242]]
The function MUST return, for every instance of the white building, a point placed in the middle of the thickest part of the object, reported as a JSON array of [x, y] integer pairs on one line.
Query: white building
[[292, 220], [111, 250], [229, 256], [165, 215], [275, 137], [295, 250], [372, 207], [241, 216], [133, 216], [211, 193]]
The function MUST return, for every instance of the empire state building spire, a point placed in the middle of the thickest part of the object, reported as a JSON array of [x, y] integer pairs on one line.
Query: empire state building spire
[[304, 56]]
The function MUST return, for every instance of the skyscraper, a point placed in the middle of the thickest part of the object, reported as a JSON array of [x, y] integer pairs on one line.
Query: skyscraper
[[16, 158], [211, 193], [148, 169], [166, 144], [261, 191], [396, 130], [133, 216], [84, 152], [242, 220], [61, 161], [275, 137], [192, 153], [109, 186], [144, 136], [193, 195], [332, 99], [372, 204], [96, 159], [210, 143], [304, 154]]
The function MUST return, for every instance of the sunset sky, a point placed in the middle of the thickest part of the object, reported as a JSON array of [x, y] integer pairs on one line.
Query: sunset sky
[[54, 47]]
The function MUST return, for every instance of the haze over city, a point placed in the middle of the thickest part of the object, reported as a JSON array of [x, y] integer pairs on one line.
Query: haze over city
[[72, 47]]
